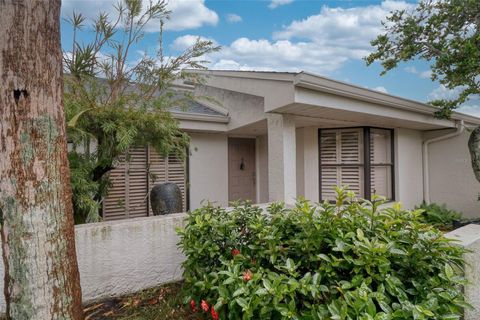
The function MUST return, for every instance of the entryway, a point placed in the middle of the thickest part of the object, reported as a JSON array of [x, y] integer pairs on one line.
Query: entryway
[[241, 169]]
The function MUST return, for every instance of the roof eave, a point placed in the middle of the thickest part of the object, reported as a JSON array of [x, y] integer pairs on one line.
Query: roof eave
[[314, 82]]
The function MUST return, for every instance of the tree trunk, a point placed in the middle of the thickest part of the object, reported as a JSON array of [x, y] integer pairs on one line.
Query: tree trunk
[[41, 274], [474, 148]]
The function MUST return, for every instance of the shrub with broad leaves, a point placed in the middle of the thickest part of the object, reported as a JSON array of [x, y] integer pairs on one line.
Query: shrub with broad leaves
[[354, 259]]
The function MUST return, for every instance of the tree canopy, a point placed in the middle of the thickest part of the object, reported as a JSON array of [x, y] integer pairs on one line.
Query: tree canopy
[[114, 102], [444, 32]]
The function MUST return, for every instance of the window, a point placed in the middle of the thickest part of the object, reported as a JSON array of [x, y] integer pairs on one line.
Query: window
[[360, 158]]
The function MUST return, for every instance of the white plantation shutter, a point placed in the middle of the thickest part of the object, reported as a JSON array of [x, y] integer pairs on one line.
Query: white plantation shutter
[[134, 176], [381, 162], [341, 158], [114, 203], [137, 183], [328, 155]]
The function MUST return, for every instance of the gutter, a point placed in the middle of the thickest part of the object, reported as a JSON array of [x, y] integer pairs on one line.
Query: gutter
[[199, 117], [426, 185]]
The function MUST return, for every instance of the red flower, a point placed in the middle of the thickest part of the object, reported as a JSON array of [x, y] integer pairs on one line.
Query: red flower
[[204, 305], [235, 252], [193, 305], [214, 314], [247, 275]]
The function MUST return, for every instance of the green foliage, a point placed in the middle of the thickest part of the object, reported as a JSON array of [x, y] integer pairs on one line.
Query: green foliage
[[438, 215], [444, 32], [114, 101], [350, 260]]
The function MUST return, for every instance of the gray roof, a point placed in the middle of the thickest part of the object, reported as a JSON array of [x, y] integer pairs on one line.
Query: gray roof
[[194, 107]]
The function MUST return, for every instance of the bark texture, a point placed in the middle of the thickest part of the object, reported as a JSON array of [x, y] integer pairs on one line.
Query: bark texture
[[474, 148], [41, 274]]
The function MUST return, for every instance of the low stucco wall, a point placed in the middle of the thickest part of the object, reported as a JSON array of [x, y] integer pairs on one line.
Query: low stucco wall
[[121, 257], [469, 238]]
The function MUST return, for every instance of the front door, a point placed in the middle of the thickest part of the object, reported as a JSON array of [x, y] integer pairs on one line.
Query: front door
[[241, 169]]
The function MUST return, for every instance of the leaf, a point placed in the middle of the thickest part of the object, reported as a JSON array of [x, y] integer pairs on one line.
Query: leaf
[[448, 271], [397, 251], [238, 292], [324, 257], [267, 284], [261, 292], [73, 122], [242, 303], [360, 235]]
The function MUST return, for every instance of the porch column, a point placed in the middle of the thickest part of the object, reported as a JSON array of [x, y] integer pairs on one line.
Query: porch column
[[282, 178]]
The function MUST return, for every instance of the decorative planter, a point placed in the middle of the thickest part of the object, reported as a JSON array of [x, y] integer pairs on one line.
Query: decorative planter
[[166, 198]]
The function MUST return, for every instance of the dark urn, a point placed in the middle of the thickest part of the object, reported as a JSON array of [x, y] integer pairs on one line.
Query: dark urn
[[166, 198]]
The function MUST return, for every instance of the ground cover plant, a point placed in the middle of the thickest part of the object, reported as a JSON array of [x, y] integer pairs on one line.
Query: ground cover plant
[[159, 303], [353, 259], [439, 215]]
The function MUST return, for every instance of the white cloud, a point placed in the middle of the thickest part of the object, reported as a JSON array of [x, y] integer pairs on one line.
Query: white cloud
[[277, 3], [380, 89], [320, 43], [189, 14], [233, 18], [188, 40], [351, 28], [427, 74], [442, 92], [282, 55], [185, 14], [473, 110], [472, 106]]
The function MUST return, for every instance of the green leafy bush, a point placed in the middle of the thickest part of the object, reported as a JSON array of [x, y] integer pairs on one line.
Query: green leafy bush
[[439, 215], [349, 260]]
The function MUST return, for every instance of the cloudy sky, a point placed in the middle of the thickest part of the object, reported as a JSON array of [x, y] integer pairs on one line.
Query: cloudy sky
[[328, 38]]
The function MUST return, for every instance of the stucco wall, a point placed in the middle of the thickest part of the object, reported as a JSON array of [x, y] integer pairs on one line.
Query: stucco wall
[[450, 175], [208, 169], [121, 257], [408, 167], [243, 109], [469, 238]]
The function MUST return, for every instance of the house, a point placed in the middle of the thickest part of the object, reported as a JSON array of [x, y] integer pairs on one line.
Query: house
[[275, 136]]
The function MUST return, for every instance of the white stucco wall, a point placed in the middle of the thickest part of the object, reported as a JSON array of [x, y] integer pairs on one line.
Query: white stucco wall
[[243, 109], [121, 257], [451, 176], [408, 167], [208, 169]]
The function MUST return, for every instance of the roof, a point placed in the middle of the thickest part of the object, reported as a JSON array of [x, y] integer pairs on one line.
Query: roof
[[194, 107], [316, 82]]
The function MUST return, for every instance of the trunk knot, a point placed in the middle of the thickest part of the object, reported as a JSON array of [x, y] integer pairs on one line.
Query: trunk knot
[[17, 93]]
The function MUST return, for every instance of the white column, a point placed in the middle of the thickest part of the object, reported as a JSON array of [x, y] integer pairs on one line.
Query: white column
[[281, 158], [310, 158]]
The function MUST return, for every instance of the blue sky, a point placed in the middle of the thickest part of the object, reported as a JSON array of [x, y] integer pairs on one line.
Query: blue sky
[[328, 38]]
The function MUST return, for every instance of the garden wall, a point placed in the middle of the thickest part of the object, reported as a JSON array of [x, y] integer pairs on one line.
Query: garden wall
[[121, 257]]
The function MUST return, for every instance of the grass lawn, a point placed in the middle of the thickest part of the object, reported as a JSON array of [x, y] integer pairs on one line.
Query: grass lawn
[[159, 303]]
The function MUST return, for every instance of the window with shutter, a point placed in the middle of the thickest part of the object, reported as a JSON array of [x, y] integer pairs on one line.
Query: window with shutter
[[134, 176], [343, 161]]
